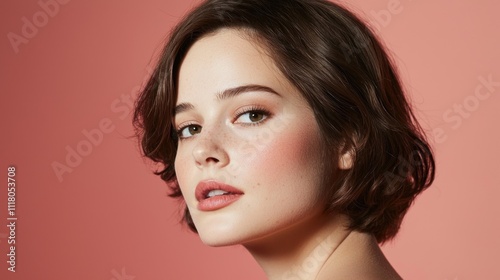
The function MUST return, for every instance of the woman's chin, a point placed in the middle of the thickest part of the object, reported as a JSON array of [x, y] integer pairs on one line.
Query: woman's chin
[[219, 240]]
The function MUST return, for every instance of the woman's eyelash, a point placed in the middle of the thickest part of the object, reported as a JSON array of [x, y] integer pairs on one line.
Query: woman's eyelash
[[253, 109], [180, 128], [256, 109]]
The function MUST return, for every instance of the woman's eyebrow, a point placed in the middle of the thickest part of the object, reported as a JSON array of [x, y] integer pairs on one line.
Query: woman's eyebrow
[[183, 107], [232, 92], [227, 93]]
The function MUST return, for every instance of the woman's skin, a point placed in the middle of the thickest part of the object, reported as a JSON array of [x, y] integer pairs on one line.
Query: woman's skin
[[242, 123]]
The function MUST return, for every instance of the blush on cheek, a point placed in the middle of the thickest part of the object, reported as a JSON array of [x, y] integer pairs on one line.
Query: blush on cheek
[[292, 150]]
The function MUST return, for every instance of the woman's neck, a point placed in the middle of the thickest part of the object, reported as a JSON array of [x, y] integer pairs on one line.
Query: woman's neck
[[320, 249], [300, 252]]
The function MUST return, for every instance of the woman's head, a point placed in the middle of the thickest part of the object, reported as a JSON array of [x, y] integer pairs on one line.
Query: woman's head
[[373, 159]]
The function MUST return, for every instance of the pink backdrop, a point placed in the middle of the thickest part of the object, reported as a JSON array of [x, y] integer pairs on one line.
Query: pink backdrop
[[70, 69]]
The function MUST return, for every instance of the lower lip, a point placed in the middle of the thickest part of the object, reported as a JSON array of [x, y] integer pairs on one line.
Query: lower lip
[[217, 202]]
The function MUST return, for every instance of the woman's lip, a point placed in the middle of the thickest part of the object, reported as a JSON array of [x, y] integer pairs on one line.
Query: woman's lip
[[204, 187], [215, 202]]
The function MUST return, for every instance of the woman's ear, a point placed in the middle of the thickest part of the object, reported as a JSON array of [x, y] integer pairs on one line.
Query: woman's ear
[[346, 160]]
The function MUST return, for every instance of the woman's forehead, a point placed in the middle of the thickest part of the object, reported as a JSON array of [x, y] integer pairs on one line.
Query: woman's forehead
[[226, 59]]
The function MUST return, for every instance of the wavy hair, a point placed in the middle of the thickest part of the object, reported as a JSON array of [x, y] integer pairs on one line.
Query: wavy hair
[[347, 78]]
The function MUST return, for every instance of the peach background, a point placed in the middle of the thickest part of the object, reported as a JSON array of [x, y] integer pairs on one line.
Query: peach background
[[109, 218]]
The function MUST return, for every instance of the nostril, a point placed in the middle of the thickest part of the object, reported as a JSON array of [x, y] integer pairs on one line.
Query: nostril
[[209, 153], [212, 159]]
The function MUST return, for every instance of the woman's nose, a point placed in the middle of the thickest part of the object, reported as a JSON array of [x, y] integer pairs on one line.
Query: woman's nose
[[210, 151]]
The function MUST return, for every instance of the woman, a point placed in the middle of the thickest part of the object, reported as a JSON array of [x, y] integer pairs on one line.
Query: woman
[[284, 128]]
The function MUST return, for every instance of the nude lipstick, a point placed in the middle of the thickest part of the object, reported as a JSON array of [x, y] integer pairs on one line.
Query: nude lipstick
[[212, 195]]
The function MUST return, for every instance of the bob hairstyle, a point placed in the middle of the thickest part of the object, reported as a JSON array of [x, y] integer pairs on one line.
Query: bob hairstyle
[[347, 78]]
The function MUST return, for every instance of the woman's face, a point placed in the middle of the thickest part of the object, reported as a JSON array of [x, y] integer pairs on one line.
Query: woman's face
[[249, 155]]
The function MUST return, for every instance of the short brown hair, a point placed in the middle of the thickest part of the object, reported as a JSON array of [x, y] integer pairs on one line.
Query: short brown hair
[[347, 78]]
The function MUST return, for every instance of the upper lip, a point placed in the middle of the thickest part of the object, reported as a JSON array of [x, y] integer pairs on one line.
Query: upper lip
[[204, 187]]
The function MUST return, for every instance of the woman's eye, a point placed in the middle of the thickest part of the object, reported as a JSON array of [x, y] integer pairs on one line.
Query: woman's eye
[[189, 131], [252, 117]]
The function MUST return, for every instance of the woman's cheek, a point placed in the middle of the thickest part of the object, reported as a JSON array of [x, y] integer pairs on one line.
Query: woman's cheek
[[182, 170], [283, 152]]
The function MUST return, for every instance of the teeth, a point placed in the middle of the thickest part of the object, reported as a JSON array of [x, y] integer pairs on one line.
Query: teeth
[[213, 193]]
